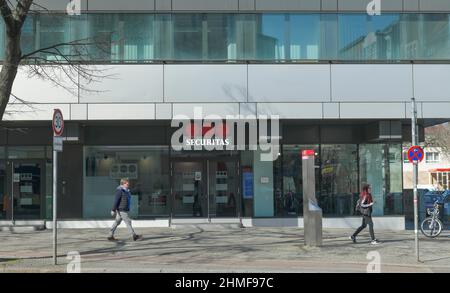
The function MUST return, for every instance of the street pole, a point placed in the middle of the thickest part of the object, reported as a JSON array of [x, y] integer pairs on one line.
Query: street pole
[[415, 177], [55, 163]]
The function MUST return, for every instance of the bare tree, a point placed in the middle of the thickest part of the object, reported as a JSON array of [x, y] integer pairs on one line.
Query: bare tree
[[66, 67], [439, 136]]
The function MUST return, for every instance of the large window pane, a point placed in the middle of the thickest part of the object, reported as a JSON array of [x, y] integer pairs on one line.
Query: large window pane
[[380, 166], [188, 36], [147, 169], [339, 184], [271, 37], [132, 37], [303, 36], [289, 180], [104, 29], [138, 37], [364, 37]]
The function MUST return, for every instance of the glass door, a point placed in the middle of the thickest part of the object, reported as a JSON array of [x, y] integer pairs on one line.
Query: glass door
[[189, 189], [26, 187], [205, 188], [223, 184]]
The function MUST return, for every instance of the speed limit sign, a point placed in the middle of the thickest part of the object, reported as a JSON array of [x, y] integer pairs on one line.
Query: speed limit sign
[[58, 123]]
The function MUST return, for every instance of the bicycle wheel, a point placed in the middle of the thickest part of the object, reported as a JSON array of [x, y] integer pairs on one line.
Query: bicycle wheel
[[431, 228]]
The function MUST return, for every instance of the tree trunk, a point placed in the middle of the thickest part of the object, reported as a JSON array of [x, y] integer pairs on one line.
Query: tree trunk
[[10, 66]]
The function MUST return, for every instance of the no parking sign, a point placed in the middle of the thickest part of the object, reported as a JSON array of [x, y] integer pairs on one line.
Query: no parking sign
[[415, 154]]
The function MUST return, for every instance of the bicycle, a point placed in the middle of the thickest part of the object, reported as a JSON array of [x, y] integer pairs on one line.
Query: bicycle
[[431, 226]]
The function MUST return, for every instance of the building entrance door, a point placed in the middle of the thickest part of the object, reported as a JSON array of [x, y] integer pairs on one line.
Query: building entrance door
[[205, 188], [25, 186]]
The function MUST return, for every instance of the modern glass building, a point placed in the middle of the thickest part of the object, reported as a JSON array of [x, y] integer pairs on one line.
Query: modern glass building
[[340, 80]]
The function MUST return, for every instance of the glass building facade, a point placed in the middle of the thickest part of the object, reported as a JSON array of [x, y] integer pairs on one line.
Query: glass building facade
[[165, 183], [210, 37]]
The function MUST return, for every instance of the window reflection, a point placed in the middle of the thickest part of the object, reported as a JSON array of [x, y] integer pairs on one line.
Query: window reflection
[[147, 169], [339, 184], [268, 36]]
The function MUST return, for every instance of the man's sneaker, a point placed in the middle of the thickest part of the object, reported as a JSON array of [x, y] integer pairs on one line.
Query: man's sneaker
[[111, 238], [137, 237], [353, 238], [375, 241]]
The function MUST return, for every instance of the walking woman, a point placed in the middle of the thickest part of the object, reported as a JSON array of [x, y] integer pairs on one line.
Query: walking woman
[[366, 203]]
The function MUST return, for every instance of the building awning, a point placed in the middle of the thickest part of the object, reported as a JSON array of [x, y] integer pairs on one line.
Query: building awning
[[440, 170]]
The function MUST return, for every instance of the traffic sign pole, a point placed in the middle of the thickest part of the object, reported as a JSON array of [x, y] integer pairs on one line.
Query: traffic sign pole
[[55, 234], [415, 177], [58, 128]]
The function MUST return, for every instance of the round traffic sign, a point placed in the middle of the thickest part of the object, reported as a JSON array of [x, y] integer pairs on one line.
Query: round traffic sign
[[58, 123], [415, 154]]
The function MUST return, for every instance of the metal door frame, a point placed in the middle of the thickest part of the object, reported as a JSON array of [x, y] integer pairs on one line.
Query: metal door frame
[[205, 162]]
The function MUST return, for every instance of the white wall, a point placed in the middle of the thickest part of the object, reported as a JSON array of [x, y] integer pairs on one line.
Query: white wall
[[293, 91]]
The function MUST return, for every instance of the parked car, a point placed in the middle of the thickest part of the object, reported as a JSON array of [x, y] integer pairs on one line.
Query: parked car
[[429, 199]]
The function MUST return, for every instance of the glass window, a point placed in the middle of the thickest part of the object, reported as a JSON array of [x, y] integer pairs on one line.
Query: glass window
[[27, 152], [221, 37], [289, 180], [339, 184], [105, 30], [271, 37], [138, 37], [364, 37], [434, 34], [381, 167], [147, 169], [303, 37], [188, 36], [53, 29], [432, 157], [163, 36], [132, 37]]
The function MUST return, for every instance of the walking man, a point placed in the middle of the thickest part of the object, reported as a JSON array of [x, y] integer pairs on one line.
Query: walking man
[[121, 208], [366, 203]]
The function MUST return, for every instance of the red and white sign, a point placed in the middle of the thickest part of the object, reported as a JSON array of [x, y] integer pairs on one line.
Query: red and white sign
[[306, 154], [58, 123], [415, 154]]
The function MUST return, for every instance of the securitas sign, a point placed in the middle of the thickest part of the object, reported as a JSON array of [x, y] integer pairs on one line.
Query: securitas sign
[[233, 132]]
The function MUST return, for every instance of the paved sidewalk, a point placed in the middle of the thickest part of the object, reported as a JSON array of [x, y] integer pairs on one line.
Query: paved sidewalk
[[221, 249]]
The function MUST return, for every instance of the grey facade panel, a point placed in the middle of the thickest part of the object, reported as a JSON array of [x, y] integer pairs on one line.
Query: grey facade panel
[[434, 5], [341, 134], [120, 5], [246, 5], [294, 134], [30, 136], [361, 5], [54, 5], [392, 5], [353, 5], [270, 5], [165, 5], [141, 135], [329, 5], [204, 5], [411, 5]]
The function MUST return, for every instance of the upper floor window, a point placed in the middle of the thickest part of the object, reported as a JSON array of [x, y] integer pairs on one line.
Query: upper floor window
[[432, 157]]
